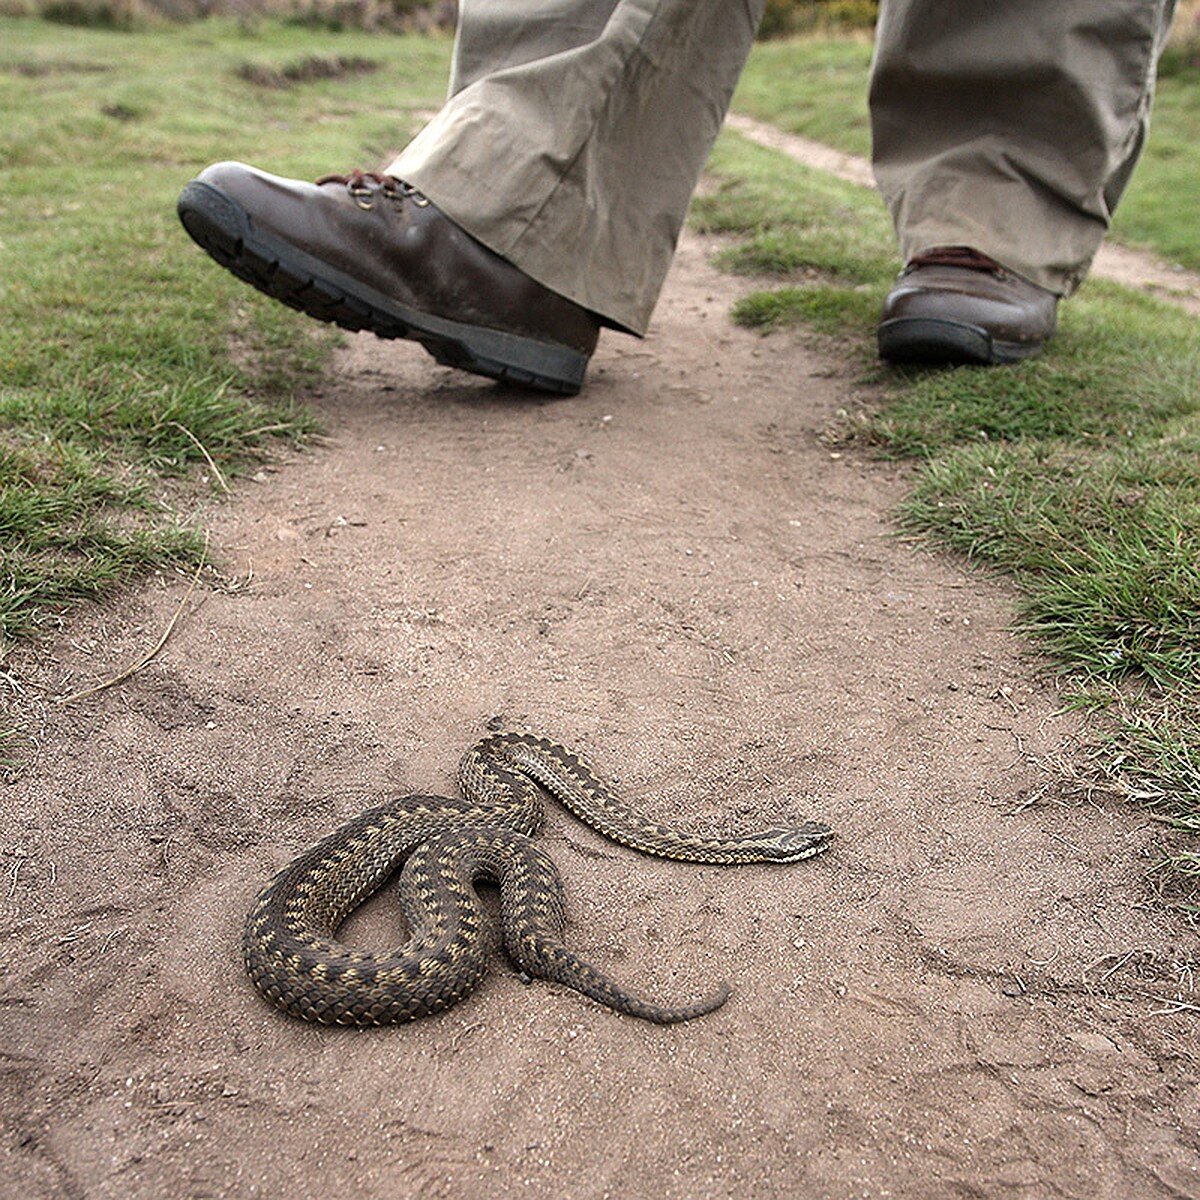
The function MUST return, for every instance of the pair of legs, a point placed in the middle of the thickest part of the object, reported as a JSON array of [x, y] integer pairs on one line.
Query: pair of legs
[[575, 132]]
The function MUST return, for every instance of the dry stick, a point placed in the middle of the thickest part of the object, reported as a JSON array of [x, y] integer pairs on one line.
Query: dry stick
[[1175, 1006], [266, 429], [20, 857], [207, 457], [162, 641]]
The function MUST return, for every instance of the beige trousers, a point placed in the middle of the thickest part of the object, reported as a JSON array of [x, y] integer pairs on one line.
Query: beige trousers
[[1012, 125], [576, 130]]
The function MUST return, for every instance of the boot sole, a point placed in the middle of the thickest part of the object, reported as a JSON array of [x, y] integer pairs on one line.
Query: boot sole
[[925, 340], [226, 232]]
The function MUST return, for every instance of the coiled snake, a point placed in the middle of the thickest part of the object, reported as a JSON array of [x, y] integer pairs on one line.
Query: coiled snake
[[446, 845]]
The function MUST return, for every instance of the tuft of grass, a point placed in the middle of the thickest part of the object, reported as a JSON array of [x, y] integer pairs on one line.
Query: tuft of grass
[[1156, 753], [1123, 365], [794, 221], [1102, 541], [97, 14], [1075, 472], [829, 309], [813, 86], [128, 360], [305, 70]]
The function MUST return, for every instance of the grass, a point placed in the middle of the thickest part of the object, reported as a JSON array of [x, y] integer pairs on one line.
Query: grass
[[1159, 209], [817, 87], [126, 356], [1075, 472]]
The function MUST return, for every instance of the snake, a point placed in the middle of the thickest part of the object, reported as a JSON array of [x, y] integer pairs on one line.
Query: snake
[[442, 846]]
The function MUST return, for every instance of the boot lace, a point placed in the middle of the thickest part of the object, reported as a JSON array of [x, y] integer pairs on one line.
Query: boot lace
[[956, 256], [367, 186]]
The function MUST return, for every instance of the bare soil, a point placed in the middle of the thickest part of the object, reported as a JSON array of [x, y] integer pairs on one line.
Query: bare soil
[[973, 994]]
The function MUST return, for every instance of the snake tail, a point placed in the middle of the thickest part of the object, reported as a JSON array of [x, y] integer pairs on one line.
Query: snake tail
[[442, 846], [547, 958], [533, 921]]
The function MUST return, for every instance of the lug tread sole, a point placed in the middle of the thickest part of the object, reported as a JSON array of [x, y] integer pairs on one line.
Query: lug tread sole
[[287, 274], [930, 340]]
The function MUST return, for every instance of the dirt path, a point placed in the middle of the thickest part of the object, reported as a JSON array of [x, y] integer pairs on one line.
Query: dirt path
[[1135, 268], [970, 995]]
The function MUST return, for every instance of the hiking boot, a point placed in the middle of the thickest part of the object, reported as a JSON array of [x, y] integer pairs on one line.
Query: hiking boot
[[955, 305], [367, 251]]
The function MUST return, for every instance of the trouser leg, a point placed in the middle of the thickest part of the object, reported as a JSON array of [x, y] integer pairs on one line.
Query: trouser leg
[[1012, 127], [496, 35], [575, 133]]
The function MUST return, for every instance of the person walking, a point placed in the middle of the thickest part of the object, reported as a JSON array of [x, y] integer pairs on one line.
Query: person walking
[[543, 202]]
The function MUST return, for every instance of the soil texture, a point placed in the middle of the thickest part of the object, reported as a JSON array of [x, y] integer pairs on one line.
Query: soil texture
[[681, 574]]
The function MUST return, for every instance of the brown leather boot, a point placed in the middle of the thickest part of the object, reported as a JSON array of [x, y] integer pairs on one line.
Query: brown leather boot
[[955, 305], [366, 251]]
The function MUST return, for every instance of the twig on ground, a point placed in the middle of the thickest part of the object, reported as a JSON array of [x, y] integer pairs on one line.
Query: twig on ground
[[13, 683], [112, 934], [121, 676], [1173, 1007], [1069, 845], [232, 585], [207, 457], [19, 857], [1034, 796], [261, 429], [1118, 965]]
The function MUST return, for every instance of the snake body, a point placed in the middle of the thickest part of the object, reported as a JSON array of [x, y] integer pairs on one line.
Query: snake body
[[443, 846]]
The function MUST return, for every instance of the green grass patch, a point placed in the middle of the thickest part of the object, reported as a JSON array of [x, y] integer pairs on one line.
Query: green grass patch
[[829, 309], [795, 221], [1103, 540], [1159, 209], [127, 358], [1077, 472], [817, 87], [1158, 753]]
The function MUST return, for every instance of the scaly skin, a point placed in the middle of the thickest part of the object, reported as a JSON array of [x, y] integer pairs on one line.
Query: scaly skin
[[445, 846]]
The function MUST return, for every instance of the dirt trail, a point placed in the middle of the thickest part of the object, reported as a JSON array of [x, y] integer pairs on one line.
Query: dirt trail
[[969, 995], [1135, 268]]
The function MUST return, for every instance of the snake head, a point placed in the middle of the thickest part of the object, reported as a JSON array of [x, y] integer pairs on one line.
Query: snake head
[[793, 844]]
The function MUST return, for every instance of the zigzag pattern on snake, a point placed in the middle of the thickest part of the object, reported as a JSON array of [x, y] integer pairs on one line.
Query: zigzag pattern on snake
[[443, 846]]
